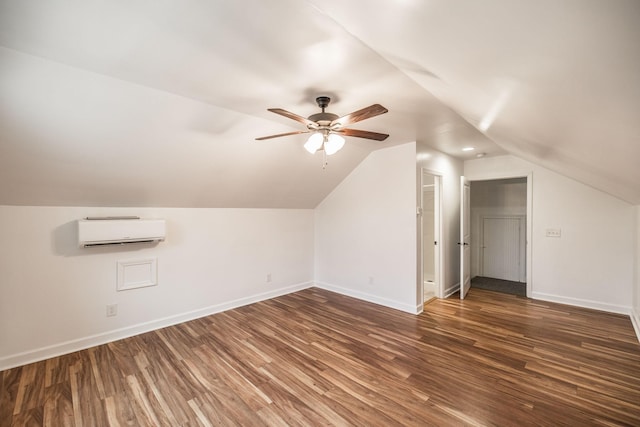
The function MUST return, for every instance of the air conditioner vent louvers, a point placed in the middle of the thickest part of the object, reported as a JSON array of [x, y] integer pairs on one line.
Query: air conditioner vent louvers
[[101, 231]]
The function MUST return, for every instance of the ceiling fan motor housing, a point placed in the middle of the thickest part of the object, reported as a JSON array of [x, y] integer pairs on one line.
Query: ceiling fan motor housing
[[323, 119]]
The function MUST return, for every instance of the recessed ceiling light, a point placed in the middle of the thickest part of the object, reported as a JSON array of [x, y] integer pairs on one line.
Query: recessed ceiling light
[[468, 149]]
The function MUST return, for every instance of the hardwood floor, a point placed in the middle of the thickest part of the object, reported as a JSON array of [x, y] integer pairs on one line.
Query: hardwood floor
[[319, 358]]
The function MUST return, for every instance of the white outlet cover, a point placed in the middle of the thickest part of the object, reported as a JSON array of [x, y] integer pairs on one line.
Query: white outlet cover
[[112, 310]]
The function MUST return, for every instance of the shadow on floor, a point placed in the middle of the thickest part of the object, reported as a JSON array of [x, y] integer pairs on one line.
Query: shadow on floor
[[499, 285]]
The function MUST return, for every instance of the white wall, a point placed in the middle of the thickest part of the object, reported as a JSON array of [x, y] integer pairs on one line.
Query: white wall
[[592, 263], [450, 169], [366, 231], [53, 295]]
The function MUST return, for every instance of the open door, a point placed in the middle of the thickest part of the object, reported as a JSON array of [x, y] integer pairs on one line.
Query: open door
[[431, 245], [465, 237]]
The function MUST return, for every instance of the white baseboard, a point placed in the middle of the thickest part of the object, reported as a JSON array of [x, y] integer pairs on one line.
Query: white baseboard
[[371, 298], [451, 290], [596, 305], [55, 350], [635, 320]]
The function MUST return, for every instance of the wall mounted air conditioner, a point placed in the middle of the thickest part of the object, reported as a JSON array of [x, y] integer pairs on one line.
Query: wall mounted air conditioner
[[102, 231]]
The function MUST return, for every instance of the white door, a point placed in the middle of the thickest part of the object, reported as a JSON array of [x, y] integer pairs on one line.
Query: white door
[[465, 237], [501, 248]]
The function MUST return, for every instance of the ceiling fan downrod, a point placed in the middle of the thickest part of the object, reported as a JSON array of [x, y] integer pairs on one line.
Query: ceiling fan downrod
[[323, 102], [322, 119]]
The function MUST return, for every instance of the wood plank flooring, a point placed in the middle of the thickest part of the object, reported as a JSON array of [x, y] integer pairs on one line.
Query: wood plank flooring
[[319, 358]]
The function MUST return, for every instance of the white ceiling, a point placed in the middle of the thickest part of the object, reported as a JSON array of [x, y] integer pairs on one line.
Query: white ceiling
[[157, 103]]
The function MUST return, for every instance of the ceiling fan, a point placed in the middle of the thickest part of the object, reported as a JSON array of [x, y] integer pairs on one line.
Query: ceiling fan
[[327, 129]]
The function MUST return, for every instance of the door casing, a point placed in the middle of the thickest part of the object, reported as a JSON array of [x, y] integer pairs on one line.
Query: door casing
[[529, 220], [438, 233]]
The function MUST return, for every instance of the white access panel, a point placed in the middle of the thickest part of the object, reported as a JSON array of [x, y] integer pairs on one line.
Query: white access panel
[[139, 273]]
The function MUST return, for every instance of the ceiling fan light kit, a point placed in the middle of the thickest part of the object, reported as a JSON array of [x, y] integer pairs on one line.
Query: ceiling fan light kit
[[331, 143], [314, 143], [327, 129]]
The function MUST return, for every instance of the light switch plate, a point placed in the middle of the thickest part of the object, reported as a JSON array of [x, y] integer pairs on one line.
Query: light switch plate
[[553, 232]]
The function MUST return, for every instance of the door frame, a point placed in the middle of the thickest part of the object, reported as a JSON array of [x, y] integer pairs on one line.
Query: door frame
[[438, 233], [465, 236], [529, 227]]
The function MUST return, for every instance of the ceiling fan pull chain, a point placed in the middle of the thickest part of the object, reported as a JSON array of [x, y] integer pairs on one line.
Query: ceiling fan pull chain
[[324, 160]]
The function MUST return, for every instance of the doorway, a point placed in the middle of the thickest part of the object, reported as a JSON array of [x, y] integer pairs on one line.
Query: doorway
[[431, 209], [498, 212]]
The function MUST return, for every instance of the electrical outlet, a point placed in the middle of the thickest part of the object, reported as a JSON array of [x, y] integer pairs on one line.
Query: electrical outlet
[[112, 310], [268, 277], [371, 280]]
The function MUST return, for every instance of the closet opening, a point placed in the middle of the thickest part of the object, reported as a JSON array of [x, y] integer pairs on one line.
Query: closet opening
[[498, 222]]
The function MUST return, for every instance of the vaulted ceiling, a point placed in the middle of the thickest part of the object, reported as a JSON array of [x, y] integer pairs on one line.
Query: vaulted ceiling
[[158, 103]]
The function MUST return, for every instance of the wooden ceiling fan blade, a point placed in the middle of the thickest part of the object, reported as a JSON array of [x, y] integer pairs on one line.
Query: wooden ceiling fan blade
[[364, 134], [281, 134], [293, 116], [356, 116]]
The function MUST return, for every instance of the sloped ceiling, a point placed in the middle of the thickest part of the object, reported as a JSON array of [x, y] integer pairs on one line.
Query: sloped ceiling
[[140, 103]]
